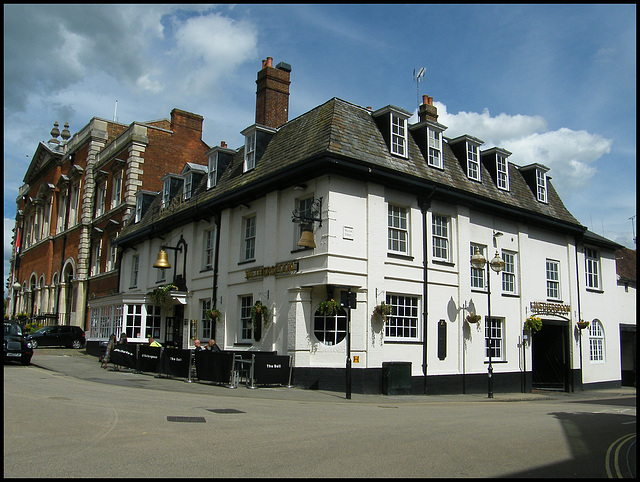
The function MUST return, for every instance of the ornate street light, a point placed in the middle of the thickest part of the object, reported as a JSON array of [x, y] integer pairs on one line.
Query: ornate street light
[[497, 264]]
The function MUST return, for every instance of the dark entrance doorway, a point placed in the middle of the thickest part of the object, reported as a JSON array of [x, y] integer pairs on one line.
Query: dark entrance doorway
[[173, 327], [628, 355], [550, 356]]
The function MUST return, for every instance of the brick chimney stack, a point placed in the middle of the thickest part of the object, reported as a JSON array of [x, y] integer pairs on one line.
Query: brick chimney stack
[[427, 110], [272, 96]]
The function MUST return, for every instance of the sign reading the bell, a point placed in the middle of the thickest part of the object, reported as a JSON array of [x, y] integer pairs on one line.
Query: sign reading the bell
[[542, 308], [281, 268]]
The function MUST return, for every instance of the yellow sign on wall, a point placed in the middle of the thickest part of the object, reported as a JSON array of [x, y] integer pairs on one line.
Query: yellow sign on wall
[[356, 359]]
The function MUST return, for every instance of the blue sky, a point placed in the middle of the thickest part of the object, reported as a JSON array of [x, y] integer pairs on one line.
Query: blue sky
[[554, 84]]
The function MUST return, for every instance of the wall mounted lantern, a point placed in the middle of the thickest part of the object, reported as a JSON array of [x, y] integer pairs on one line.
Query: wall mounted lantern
[[162, 262], [306, 219]]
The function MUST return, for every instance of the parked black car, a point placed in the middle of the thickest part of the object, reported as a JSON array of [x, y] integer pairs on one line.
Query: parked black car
[[69, 336], [16, 348]]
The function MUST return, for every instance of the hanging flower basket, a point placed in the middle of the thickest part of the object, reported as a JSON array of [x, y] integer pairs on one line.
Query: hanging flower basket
[[582, 324], [473, 318], [213, 314], [533, 323], [329, 307], [383, 310], [159, 294], [259, 313]]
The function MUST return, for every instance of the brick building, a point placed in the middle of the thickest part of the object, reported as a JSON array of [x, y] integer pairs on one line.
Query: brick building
[[76, 195]]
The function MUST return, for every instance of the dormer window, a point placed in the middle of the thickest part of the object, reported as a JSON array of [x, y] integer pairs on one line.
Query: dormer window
[[473, 161], [392, 122], [212, 173], [188, 183], [138, 209], [541, 185], [434, 155], [166, 192], [249, 152], [398, 135], [502, 172]]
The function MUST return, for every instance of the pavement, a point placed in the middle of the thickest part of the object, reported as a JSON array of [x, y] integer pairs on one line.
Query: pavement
[[79, 364]]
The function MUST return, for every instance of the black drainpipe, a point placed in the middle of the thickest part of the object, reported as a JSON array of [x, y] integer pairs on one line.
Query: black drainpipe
[[579, 315], [214, 292], [425, 204]]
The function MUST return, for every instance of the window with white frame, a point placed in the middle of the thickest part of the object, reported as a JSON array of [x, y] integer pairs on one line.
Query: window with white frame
[[478, 275], [97, 252], [133, 321], [596, 341], [62, 209], [113, 255], [73, 209], [398, 135], [553, 279], [403, 322], [135, 264], [166, 192], [434, 157], [208, 241], [37, 223], [541, 185], [100, 197], [398, 229], [509, 272], [494, 338], [473, 161], [116, 190], [153, 322], [46, 221], [592, 263], [188, 183], [249, 152], [330, 329], [212, 173], [502, 170], [440, 237], [205, 321], [246, 325], [249, 238], [138, 209]]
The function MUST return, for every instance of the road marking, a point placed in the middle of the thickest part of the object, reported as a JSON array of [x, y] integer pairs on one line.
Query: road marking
[[618, 444]]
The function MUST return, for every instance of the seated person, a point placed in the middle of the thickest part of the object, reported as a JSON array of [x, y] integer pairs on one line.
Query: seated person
[[153, 342], [212, 345], [197, 344]]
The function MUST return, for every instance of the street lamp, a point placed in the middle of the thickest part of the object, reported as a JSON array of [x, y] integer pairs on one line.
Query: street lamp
[[16, 288], [497, 264]]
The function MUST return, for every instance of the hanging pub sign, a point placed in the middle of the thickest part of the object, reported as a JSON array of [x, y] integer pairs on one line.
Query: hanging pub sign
[[544, 308], [288, 267]]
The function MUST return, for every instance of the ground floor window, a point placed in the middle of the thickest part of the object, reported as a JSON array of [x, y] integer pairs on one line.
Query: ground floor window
[[105, 321], [330, 329], [494, 338], [133, 321], [154, 322], [205, 321], [402, 323], [596, 341], [246, 326]]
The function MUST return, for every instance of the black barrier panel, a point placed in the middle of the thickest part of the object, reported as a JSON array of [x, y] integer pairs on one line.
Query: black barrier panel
[[175, 362], [271, 370], [214, 366], [124, 355], [149, 358]]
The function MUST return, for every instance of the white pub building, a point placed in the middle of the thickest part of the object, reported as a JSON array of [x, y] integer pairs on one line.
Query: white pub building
[[383, 253]]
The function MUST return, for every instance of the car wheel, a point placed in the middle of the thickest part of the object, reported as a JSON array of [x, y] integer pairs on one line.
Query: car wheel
[[34, 343], [76, 344], [26, 362]]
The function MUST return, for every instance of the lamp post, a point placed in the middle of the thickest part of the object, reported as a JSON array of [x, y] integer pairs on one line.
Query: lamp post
[[497, 264], [16, 288]]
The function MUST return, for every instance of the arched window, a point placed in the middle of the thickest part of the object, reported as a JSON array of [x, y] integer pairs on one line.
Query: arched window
[[596, 341], [330, 329]]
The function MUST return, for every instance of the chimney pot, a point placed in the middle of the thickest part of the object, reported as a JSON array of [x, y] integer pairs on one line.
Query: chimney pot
[[223, 144], [269, 61], [425, 99]]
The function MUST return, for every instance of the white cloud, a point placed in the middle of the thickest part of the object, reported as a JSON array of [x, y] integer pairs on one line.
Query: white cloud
[[569, 154]]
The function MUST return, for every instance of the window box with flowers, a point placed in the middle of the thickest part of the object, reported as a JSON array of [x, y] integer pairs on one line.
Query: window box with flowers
[[384, 310], [533, 324], [329, 307]]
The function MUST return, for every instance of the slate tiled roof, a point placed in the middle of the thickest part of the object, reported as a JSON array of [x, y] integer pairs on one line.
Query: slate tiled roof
[[626, 265], [343, 132]]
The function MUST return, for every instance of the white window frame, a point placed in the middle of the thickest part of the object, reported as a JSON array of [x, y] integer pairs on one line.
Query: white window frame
[[441, 240], [188, 185], [113, 255], [403, 324], [212, 173], [97, 253], [135, 266], [153, 322], [133, 321], [596, 342], [510, 272], [205, 322], [592, 268], [398, 135], [116, 190], [473, 161], [330, 329], [398, 229], [246, 326], [496, 331], [478, 275], [166, 192], [62, 210], [249, 238], [249, 152], [138, 209], [73, 210], [434, 148], [208, 241], [541, 185], [552, 276], [100, 199], [502, 172]]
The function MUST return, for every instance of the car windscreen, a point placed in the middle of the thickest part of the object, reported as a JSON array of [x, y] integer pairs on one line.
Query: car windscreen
[[10, 329]]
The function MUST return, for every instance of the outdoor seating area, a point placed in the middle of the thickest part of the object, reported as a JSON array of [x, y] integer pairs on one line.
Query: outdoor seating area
[[229, 368]]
